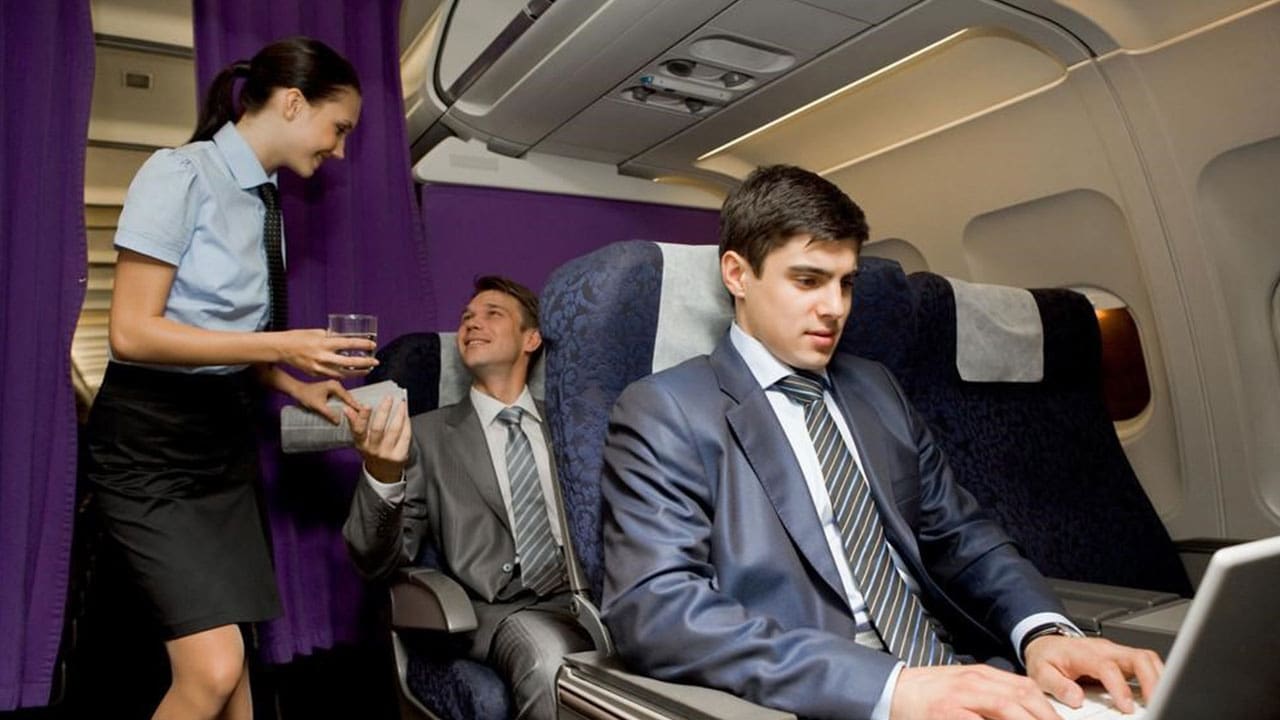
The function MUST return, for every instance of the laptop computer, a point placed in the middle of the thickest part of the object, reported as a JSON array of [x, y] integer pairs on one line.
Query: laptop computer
[[1225, 662]]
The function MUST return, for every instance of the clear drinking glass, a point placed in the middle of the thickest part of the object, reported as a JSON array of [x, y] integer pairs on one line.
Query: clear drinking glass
[[354, 325]]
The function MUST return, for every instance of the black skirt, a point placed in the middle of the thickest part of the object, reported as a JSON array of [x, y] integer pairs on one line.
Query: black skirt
[[173, 462]]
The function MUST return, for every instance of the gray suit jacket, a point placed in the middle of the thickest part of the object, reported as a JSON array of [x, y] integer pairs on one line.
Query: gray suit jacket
[[453, 503], [717, 571]]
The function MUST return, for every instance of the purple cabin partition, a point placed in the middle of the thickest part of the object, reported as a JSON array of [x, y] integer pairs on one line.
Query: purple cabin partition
[[47, 76], [475, 231]]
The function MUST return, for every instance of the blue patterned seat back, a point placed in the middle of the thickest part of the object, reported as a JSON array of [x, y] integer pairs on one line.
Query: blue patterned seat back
[[1043, 457], [438, 674], [600, 316], [599, 320]]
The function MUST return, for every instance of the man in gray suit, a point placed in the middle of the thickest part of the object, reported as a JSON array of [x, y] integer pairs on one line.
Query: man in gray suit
[[780, 524], [476, 480]]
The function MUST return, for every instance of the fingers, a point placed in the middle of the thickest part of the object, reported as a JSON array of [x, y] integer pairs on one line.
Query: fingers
[[1147, 667], [378, 424], [1116, 686], [359, 419], [1061, 687], [1110, 664], [337, 390], [967, 692]]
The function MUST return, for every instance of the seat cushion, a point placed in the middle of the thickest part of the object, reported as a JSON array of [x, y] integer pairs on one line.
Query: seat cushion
[[451, 686]]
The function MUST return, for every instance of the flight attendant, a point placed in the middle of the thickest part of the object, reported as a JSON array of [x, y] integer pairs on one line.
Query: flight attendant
[[198, 325]]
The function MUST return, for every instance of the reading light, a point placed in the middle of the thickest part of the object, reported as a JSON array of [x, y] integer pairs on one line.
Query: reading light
[[864, 79]]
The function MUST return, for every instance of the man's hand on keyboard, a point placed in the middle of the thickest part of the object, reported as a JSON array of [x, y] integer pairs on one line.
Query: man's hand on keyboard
[[1097, 705], [1055, 662]]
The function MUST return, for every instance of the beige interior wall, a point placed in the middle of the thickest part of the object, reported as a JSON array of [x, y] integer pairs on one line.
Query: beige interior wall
[[1150, 174], [1205, 111], [1031, 193]]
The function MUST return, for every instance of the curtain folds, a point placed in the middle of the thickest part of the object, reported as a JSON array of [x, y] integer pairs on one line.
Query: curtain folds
[[526, 235], [354, 245], [47, 76]]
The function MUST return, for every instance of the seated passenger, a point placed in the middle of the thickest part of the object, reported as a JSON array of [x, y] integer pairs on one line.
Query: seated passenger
[[461, 477], [781, 525]]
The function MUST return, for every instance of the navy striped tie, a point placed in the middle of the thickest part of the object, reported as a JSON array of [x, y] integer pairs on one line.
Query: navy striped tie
[[895, 610], [273, 240], [541, 566]]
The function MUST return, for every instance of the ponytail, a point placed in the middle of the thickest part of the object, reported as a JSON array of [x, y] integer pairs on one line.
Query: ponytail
[[219, 108], [309, 65]]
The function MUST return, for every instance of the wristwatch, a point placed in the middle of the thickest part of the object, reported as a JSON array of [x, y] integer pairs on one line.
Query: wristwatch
[[1054, 628]]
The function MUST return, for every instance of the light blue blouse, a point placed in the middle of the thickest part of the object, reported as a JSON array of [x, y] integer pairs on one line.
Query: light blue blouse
[[197, 208]]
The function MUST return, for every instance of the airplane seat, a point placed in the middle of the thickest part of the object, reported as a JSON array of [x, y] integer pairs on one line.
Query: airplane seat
[[599, 317], [612, 317], [1041, 453], [429, 610], [882, 322]]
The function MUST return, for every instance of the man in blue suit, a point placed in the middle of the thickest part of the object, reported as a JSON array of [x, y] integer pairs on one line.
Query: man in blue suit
[[781, 525]]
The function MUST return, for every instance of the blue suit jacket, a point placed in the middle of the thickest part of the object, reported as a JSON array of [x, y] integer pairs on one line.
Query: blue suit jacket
[[717, 571]]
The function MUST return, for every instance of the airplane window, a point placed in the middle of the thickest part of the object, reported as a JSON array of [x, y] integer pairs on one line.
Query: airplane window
[[1125, 385], [1124, 373]]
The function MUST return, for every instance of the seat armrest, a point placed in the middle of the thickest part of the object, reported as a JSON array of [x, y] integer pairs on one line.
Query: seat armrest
[[591, 686], [1090, 604], [588, 617], [426, 599], [1195, 554]]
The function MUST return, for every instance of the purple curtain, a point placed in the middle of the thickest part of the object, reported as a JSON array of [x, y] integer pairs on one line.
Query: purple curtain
[[526, 235], [47, 76], [354, 245]]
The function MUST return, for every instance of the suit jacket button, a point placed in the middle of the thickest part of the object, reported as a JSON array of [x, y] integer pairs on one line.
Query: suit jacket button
[[506, 567]]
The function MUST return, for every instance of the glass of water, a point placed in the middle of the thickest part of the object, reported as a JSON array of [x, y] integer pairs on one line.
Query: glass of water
[[354, 325]]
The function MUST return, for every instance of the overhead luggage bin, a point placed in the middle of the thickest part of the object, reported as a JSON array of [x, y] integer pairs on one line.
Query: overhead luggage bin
[[650, 86]]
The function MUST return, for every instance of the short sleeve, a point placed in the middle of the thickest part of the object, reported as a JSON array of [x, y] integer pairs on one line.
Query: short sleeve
[[160, 209]]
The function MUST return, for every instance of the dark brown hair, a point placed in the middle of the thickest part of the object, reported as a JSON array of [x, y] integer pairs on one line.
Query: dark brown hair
[[777, 202], [312, 67], [523, 296]]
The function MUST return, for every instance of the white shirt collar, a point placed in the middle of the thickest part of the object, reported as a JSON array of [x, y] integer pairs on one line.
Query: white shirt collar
[[764, 365], [487, 406]]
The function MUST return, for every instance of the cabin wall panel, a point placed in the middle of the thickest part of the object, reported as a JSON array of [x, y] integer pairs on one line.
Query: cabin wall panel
[[1066, 142], [1189, 101]]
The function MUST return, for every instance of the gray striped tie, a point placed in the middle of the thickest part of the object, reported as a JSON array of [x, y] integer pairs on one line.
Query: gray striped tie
[[541, 567], [894, 609]]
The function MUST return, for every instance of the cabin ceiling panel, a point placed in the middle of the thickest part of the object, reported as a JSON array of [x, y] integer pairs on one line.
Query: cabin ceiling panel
[[992, 67], [871, 11], [795, 26], [872, 51], [1138, 24], [601, 128]]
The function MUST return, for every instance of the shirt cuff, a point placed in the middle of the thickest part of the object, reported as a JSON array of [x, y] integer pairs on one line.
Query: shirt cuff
[[1027, 625], [883, 705], [392, 493]]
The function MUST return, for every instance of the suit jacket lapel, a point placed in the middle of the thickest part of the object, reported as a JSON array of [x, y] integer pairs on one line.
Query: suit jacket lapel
[[762, 440], [471, 455]]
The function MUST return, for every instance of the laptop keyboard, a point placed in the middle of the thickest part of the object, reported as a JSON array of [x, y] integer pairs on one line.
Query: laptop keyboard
[[1097, 706]]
